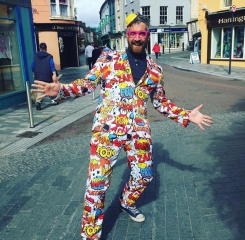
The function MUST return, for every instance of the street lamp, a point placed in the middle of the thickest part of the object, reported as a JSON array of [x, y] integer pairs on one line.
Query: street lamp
[[169, 44], [232, 10]]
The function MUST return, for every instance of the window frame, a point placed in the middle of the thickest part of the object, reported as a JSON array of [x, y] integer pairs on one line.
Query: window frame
[[165, 8], [146, 9], [225, 3], [179, 15]]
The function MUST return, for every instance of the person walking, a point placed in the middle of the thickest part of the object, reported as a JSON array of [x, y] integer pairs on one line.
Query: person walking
[[88, 53], [43, 69], [156, 49], [129, 77], [95, 53]]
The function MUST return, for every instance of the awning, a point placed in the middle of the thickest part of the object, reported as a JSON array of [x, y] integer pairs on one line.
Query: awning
[[197, 35]]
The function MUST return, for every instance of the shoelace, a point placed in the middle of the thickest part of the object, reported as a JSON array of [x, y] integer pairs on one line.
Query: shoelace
[[134, 210]]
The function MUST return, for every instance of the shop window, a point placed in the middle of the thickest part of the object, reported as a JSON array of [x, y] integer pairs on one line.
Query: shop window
[[227, 3], [146, 11], [10, 70], [238, 42], [226, 42], [221, 43], [216, 43], [179, 15], [163, 14]]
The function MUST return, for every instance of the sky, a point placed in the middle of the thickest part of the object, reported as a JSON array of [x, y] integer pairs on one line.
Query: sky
[[88, 11]]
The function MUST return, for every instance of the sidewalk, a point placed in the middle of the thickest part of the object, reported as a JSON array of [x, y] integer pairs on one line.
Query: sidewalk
[[181, 60], [15, 131], [16, 134]]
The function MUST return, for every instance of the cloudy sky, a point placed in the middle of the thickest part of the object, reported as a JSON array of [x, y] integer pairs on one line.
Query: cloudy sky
[[88, 11]]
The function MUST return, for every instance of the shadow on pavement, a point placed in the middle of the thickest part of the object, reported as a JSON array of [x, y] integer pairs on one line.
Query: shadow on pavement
[[226, 206]]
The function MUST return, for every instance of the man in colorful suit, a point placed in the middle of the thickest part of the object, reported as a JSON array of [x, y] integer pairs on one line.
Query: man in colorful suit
[[128, 78]]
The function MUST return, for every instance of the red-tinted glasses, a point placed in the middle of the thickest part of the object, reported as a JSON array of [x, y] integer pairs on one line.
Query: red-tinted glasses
[[140, 34]]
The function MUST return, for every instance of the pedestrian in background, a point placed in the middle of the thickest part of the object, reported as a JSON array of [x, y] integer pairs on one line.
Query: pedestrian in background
[[129, 78], [196, 45], [43, 69], [95, 53], [107, 48], [88, 54], [156, 49]]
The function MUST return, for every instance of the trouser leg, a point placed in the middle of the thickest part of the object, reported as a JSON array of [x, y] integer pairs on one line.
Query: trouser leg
[[38, 100], [90, 63], [139, 153], [103, 157]]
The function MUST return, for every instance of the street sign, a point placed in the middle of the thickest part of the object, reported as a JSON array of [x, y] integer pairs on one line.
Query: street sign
[[233, 8], [194, 58]]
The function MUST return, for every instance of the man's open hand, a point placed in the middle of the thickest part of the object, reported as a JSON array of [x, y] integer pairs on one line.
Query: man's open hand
[[48, 89], [198, 118]]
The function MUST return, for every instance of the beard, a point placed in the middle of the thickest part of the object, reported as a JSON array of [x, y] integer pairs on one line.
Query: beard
[[137, 47]]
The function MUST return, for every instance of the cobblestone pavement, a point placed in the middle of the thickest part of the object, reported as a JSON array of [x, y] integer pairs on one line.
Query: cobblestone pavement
[[198, 191]]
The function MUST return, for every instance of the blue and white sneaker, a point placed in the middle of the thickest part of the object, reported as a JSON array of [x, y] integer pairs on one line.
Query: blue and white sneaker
[[134, 213]]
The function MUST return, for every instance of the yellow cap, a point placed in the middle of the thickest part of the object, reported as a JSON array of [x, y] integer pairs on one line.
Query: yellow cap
[[130, 18]]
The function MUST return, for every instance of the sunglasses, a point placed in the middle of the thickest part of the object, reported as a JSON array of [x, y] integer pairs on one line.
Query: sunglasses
[[140, 34]]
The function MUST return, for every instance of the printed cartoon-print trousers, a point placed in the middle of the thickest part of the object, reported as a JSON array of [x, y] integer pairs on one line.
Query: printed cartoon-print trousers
[[104, 153]]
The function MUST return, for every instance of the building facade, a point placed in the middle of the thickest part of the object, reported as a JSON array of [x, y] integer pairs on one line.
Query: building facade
[[120, 24], [167, 21], [55, 24], [17, 47], [222, 28], [109, 35]]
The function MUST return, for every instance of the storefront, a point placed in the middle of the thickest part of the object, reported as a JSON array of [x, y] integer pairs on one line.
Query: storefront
[[170, 36], [63, 38], [225, 39], [16, 51]]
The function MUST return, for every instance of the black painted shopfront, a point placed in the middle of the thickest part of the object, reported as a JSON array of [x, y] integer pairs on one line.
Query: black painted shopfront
[[67, 35], [224, 39]]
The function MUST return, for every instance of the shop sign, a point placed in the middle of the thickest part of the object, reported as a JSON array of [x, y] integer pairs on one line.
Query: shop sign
[[153, 30], [55, 27], [194, 58], [21, 3], [172, 29], [225, 18]]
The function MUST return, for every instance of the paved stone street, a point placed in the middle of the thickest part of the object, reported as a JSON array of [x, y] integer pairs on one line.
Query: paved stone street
[[198, 190]]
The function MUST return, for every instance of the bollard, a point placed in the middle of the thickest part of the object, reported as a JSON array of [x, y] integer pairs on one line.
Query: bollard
[[183, 46], [163, 49], [29, 104], [93, 95]]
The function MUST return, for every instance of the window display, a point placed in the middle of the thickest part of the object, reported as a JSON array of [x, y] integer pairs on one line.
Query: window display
[[226, 42], [216, 46], [10, 70], [222, 42], [238, 42]]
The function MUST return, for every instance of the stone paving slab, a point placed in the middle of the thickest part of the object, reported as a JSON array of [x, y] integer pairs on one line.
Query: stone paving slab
[[197, 191]]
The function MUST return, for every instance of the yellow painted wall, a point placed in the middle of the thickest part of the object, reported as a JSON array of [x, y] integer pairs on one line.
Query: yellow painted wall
[[213, 6], [51, 39]]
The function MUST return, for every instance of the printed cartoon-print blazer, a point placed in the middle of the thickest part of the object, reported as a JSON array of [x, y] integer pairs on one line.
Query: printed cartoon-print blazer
[[122, 104]]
